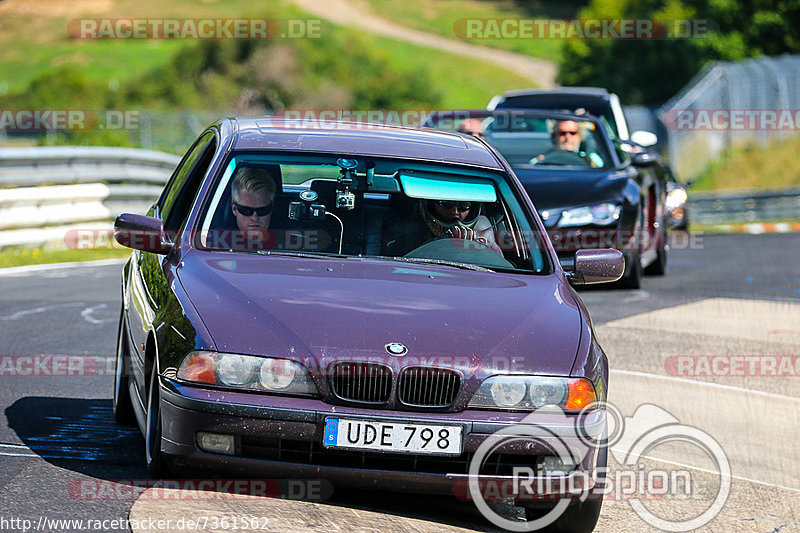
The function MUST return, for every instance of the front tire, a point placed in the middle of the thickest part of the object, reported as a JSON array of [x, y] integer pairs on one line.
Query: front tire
[[633, 271], [659, 266], [121, 405], [154, 457]]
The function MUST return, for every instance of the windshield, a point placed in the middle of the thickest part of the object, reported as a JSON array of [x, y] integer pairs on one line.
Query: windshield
[[528, 140], [370, 208]]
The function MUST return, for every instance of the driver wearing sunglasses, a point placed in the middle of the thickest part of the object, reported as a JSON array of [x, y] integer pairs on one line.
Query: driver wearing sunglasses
[[252, 195], [567, 136]]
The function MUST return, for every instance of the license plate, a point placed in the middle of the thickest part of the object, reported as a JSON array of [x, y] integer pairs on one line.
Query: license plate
[[392, 436]]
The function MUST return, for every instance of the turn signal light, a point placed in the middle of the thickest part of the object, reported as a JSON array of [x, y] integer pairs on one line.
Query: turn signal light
[[198, 367], [581, 394]]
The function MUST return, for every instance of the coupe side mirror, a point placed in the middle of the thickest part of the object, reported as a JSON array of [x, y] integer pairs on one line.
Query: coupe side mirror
[[141, 233], [644, 138], [597, 266]]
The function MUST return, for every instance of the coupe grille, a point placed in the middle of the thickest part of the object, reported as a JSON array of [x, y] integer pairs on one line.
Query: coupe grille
[[361, 382], [428, 387]]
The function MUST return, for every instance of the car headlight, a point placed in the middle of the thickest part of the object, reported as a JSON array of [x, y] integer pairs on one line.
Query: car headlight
[[533, 392], [676, 197], [247, 372], [598, 215]]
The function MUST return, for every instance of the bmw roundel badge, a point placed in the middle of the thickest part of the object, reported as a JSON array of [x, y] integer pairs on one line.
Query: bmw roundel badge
[[395, 348]]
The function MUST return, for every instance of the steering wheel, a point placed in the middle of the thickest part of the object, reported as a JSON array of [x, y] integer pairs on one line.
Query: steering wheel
[[563, 158], [447, 248]]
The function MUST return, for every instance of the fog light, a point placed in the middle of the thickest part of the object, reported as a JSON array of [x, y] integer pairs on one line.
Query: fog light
[[216, 443], [554, 466]]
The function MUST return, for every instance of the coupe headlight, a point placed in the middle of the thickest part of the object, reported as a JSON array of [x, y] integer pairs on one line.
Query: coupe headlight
[[597, 215], [247, 372], [533, 392]]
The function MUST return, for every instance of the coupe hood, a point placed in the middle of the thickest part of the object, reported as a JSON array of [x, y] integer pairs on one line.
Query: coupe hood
[[549, 189], [326, 307]]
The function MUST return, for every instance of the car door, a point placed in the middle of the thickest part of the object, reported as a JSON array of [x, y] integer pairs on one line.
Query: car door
[[149, 288]]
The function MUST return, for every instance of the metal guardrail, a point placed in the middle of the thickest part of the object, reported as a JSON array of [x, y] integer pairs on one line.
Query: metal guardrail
[[46, 192], [745, 206], [760, 84]]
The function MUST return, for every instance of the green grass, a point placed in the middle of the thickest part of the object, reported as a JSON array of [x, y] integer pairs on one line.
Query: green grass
[[21, 256], [440, 17], [31, 45], [754, 167], [463, 82]]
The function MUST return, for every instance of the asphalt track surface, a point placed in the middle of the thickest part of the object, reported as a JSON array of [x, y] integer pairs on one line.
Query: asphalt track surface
[[729, 305]]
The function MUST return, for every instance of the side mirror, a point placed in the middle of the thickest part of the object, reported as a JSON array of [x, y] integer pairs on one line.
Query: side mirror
[[645, 159], [644, 138], [597, 266], [141, 233]]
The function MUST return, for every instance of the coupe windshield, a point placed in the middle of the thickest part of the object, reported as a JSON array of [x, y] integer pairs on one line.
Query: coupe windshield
[[365, 208]]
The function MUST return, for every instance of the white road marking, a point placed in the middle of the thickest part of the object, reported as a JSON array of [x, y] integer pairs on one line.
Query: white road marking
[[758, 431], [32, 269], [35, 310], [87, 315], [705, 384], [17, 450], [682, 465], [759, 320]]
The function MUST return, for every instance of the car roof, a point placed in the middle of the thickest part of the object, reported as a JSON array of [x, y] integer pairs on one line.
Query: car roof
[[597, 92], [361, 138]]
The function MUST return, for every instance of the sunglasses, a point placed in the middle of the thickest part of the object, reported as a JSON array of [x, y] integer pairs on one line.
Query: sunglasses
[[562, 133], [461, 206], [247, 211]]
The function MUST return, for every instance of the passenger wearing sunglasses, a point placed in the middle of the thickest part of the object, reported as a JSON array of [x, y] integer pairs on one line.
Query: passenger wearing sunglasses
[[567, 137], [252, 196], [431, 219]]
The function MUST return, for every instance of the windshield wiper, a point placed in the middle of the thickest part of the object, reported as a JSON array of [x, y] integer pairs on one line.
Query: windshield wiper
[[305, 255], [420, 260]]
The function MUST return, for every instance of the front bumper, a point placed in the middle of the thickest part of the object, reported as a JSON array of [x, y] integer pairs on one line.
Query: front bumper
[[281, 437]]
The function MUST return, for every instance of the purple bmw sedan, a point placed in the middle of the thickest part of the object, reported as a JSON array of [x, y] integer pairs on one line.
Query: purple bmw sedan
[[370, 305]]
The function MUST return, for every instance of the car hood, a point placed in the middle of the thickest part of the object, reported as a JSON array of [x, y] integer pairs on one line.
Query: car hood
[[549, 189], [302, 307]]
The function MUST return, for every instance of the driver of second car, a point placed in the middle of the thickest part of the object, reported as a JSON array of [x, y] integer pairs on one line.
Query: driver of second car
[[252, 196], [431, 219], [567, 137]]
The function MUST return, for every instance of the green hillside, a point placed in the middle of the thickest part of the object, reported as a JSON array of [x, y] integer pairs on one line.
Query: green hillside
[[41, 65]]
